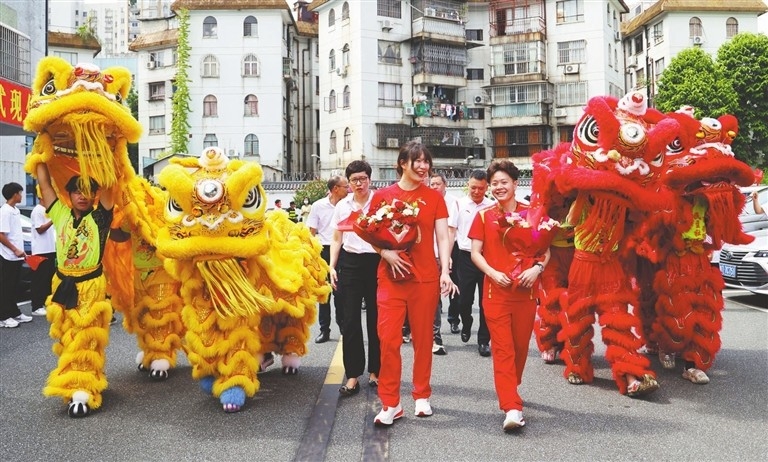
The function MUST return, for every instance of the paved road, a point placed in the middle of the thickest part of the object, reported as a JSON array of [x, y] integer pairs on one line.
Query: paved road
[[301, 417]]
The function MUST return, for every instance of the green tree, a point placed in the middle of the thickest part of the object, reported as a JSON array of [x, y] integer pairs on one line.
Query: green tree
[[133, 148], [180, 101], [314, 190], [694, 78], [745, 61]]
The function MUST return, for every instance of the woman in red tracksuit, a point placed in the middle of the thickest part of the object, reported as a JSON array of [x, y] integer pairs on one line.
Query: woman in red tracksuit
[[510, 306], [417, 297]]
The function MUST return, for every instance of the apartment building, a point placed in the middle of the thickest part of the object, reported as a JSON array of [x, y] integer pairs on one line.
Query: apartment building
[[251, 68], [473, 80], [653, 33], [113, 23]]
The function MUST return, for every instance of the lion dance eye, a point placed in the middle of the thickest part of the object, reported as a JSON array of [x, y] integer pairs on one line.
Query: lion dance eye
[[49, 88], [253, 201], [587, 131], [209, 191], [119, 97], [675, 147], [173, 209], [658, 161]]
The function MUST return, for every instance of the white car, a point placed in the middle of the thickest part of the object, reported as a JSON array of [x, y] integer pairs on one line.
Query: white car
[[746, 266], [750, 221]]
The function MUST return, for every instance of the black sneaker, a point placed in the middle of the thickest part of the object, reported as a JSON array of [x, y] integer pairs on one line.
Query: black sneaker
[[113, 321]]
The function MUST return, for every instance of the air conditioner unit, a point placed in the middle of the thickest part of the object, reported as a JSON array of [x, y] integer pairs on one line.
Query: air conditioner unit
[[561, 112], [341, 71], [430, 12], [421, 88], [150, 64], [632, 61], [477, 141], [697, 39], [571, 69], [386, 24], [409, 110], [393, 143], [617, 36], [479, 99]]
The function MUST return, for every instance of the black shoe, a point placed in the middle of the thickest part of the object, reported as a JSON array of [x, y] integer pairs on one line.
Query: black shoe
[[323, 337], [346, 391], [484, 349], [455, 328], [466, 332]]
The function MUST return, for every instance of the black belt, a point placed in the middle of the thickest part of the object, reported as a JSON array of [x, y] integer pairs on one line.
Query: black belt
[[66, 294]]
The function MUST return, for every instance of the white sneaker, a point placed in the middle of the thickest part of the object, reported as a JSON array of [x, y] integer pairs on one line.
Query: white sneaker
[[39, 312], [22, 318], [513, 420], [10, 322], [438, 349], [388, 415], [422, 408]]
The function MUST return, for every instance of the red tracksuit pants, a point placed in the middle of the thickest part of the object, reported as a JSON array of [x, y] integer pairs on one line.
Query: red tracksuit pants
[[510, 323], [419, 301]]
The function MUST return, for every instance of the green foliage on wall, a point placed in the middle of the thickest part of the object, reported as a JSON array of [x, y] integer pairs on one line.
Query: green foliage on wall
[[314, 190], [180, 101]]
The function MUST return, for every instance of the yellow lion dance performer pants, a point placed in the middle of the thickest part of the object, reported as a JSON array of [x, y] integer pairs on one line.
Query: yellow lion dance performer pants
[[81, 335]]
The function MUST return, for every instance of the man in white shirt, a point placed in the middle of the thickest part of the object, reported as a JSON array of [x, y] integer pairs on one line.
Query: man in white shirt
[[43, 245], [468, 274], [319, 223], [11, 257], [438, 182]]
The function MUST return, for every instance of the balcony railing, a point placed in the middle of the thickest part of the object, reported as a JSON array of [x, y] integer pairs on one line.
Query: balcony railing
[[433, 26], [518, 26]]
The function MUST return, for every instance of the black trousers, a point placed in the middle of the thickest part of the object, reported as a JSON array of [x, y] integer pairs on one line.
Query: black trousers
[[324, 311], [357, 280], [470, 278], [453, 306], [41, 280], [10, 287]]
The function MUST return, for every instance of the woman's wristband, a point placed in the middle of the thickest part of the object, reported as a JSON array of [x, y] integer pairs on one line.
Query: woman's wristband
[[540, 265]]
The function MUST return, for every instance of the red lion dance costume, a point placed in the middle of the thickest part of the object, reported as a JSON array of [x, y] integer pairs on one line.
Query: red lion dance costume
[[617, 153], [703, 175]]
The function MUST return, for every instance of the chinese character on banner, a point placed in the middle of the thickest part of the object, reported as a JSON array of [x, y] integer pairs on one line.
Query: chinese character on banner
[[14, 102]]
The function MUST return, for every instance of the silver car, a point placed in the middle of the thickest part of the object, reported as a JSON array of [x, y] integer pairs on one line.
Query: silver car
[[746, 266]]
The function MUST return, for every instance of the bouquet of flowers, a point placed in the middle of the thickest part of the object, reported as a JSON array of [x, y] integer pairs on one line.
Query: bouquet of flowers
[[524, 241], [390, 226]]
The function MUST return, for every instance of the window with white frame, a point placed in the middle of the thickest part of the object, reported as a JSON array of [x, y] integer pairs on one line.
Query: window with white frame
[[389, 52], [345, 11], [250, 66], [71, 58], [658, 68], [695, 29], [332, 61], [210, 140], [389, 8], [347, 139], [332, 101], [571, 94], [157, 125], [390, 94], [157, 58], [572, 52], [610, 52], [210, 66], [332, 143], [345, 98], [210, 106], [731, 27], [250, 27], [658, 32], [475, 74], [209, 27], [251, 106], [331, 18], [251, 146], [569, 11], [155, 153], [156, 91], [345, 55]]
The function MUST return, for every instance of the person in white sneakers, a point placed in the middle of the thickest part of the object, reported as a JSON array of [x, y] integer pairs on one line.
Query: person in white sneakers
[[11, 257], [43, 245]]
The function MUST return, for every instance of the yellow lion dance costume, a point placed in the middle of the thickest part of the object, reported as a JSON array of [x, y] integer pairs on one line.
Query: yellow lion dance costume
[[250, 280], [84, 129]]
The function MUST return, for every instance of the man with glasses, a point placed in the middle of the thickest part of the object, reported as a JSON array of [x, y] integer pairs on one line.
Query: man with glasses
[[319, 223]]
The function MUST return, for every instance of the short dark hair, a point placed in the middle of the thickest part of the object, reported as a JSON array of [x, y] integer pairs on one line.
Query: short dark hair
[[333, 181], [479, 175], [441, 176], [503, 165], [278, 201], [292, 203], [76, 184], [11, 189], [411, 151], [357, 166]]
